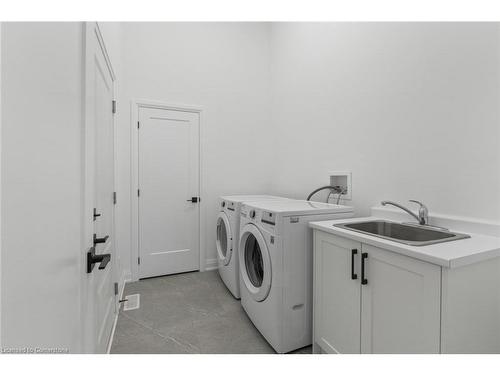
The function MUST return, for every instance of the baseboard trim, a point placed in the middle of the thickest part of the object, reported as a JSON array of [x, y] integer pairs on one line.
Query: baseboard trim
[[211, 264]]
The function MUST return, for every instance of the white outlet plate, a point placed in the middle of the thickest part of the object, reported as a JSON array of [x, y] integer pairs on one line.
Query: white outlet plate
[[342, 178]]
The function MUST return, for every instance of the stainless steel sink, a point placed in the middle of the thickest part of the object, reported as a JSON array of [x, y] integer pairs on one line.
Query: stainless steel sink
[[409, 234]]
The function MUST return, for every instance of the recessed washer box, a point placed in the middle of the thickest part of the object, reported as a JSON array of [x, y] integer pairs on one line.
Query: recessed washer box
[[343, 179]]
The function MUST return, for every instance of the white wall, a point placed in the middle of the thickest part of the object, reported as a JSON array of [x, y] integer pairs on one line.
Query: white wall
[[223, 67], [41, 184], [411, 109]]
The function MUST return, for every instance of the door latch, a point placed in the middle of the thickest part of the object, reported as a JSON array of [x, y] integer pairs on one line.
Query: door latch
[[194, 200]]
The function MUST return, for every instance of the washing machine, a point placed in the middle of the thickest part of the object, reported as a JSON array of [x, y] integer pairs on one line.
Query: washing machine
[[276, 267], [228, 230]]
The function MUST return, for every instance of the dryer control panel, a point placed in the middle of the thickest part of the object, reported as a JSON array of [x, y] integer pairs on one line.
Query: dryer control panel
[[227, 205]]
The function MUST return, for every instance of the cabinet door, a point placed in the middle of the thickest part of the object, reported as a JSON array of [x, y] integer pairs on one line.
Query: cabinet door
[[400, 304], [336, 294]]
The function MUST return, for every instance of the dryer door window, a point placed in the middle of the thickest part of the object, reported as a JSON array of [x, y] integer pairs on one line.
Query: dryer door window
[[224, 239], [255, 262]]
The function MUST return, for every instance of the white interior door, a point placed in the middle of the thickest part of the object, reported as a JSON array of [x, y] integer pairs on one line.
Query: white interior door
[[100, 300], [168, 145]]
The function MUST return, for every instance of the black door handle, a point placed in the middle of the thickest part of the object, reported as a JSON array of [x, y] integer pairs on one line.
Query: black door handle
[[364, 281], [96, 214], [100, 240], [194, 200], [353, 253], [92, 259], [105, 260]]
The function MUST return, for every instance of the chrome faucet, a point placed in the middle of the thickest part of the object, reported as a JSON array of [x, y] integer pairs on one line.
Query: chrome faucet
[[423, 213]]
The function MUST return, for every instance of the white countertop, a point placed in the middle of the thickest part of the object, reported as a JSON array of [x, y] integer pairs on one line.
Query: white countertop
[[447, 254]]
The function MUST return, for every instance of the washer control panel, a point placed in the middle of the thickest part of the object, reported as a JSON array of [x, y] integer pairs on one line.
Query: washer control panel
[[268, 218]]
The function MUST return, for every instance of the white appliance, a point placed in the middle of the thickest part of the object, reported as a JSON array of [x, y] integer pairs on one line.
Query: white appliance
[[276, 267], [228, 234]]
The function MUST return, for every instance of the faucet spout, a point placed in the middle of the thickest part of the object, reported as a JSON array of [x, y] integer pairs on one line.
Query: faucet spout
[[422, 217]]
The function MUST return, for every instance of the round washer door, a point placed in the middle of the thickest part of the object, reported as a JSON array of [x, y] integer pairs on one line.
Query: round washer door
[[255, 262], [224, 240]]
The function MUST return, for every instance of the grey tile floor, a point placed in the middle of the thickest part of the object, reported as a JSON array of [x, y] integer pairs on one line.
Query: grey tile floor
[[187, 313]]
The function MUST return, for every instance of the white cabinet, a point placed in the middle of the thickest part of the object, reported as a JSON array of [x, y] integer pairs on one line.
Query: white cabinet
[[400, 304], [369, 300], [337, 310]]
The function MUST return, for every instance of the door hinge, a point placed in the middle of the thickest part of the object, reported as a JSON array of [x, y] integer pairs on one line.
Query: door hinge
[[138, 192], [138, 125], [139, 260], [114, 197], [116, 289], [113, 106]]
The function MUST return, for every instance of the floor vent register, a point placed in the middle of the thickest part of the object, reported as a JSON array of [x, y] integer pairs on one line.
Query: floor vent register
[[132, 302]]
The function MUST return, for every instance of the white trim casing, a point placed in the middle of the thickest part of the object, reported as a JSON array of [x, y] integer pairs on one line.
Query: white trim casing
[[112, 336], [100, 39], [134, 178]]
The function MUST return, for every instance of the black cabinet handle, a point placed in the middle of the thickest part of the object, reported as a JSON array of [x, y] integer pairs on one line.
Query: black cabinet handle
[[100, 240], [364, 281], [194, 200], [353, 254], [92, 259]]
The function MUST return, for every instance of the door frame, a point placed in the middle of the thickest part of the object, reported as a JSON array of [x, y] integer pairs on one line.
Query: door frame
[[135, 106], [91, 30]]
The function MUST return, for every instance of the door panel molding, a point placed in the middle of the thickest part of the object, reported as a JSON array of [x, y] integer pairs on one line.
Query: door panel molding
[[96, 62], [105, 53], [135, 106], [393, 311], [336, 296]]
